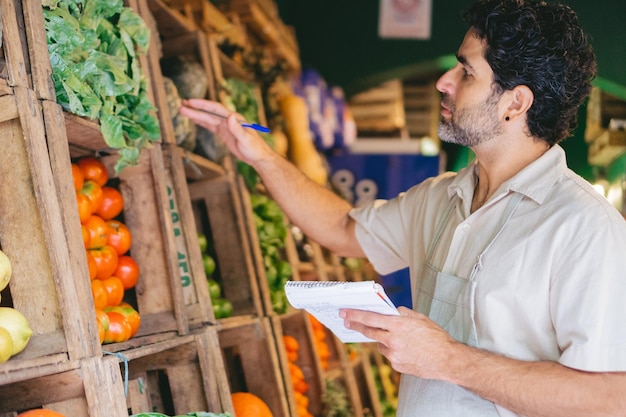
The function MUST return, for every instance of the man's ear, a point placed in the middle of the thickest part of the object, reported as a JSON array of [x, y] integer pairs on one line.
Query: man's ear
[[520, 99]]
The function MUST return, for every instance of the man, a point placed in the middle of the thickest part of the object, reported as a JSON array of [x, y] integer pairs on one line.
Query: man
[[517, 264]]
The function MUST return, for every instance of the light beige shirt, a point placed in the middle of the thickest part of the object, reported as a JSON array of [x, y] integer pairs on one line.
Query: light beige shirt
[[553, 285]]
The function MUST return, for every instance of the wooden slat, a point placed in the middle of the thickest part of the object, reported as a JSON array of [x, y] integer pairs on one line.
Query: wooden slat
[[253, 348], [189, 232], [104, 387], [40, 66], [8, 108], [14, 44]]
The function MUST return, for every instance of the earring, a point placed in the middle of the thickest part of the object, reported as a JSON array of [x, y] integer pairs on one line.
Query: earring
[[507, 118]]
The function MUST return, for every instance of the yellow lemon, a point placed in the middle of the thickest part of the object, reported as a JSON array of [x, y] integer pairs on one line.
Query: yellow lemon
[[16, 324], [5, 270], [6, 345]]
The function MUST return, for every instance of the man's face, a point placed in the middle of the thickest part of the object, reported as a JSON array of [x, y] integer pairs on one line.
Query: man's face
[[469, 114]]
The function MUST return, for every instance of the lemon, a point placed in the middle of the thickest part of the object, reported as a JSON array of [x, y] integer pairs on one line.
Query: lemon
[[5, 270], [6, 345], [16, 324]]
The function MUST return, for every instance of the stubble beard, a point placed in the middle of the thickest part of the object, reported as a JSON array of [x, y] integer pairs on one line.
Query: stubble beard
[[471, 126]]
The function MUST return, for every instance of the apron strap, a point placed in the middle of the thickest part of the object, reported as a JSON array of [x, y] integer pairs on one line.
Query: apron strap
[[439, 229], [514, 203]]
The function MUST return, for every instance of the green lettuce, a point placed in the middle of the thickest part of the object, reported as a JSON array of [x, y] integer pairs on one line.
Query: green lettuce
[[94, 48]]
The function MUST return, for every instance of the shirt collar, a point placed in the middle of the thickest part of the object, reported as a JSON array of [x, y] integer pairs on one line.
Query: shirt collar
[[534, 181]]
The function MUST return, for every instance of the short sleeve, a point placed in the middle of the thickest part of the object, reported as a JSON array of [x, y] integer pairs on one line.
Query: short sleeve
[[588, 300]]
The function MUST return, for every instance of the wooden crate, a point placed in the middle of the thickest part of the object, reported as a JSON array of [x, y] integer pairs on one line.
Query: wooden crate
[[177, 376], [193, 278], [365, 385], [14, 60], [89, 387], [159, 294], [297, 325], [36, 235], [252, 363], [218, 215]]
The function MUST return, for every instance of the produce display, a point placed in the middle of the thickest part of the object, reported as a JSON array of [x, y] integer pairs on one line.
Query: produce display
[[272, 231], [107, 242], [300, 386], [94, 51], [222, 308], [321, 346], [15, 331]]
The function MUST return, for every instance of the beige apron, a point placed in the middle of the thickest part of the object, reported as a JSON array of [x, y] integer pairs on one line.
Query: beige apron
[[448, 300]]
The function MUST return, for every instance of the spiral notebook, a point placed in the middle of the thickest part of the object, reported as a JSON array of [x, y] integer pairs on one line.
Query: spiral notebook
[[323, 299]]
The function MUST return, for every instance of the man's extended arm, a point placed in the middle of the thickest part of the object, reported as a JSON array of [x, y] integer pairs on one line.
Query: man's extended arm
[[321, 214]]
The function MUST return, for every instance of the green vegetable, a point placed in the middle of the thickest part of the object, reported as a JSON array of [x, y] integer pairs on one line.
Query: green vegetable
[[94, 48]]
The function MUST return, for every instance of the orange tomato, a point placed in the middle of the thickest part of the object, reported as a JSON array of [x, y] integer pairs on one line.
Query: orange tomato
[[100, 295], [93, 192], [86, 235], [246, 404], [119, 236], [106, 261], [127, 270], [119, 329], [132, 316], [40, 412], [84, 207], [92, 265], [102, 318], [115, 290], [98, 231], [112, 203], [79, 178], [93, 169]]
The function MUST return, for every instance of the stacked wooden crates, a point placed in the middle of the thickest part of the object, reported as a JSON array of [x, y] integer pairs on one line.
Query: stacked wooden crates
[[183, 359]]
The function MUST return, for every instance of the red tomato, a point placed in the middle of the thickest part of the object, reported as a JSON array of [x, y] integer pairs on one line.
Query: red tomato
[[103, 323], [100, 296], [93, 169], [118, 236], [93, 192], [115, 290], [84, 207], [92, 265], [127, 270], [132, 316], [112, 203], [106, 261], [119, 328], [98, 231], [79, 178]]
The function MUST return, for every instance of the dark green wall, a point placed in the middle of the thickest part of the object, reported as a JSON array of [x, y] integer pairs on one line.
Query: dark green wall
[[339, 38]]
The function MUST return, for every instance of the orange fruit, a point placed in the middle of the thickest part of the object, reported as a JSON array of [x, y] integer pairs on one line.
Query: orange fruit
[[106, 261], [119, 236], [40, 412], [93, 169], [291, 344], [98, 231], [132, 316], [246, 404], [119, 329], [85, 209], [100, 295], [127, 270], [92, 265], [115, 290], [93, 191], [112, 203], [79, 178]]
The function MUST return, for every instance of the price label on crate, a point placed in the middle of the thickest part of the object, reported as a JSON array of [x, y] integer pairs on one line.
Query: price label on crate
[[184, 267]]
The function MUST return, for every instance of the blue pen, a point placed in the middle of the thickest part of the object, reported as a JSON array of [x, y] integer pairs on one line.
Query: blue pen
[[243, 124]]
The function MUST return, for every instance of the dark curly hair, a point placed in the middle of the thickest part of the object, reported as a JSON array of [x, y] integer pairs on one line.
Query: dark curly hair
[[542, 46]]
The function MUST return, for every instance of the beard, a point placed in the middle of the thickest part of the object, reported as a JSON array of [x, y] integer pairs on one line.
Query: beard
[[473, 125]]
